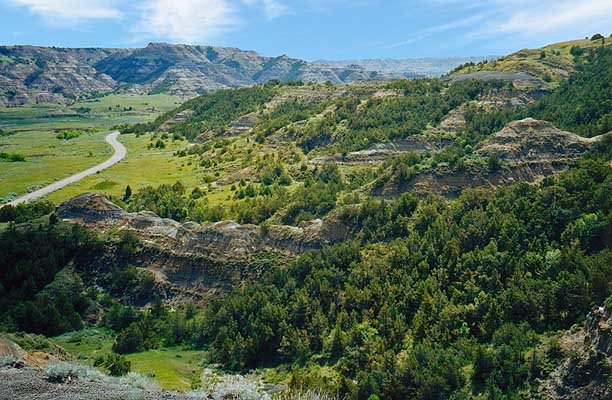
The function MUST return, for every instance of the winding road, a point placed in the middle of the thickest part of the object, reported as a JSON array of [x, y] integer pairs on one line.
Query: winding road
[[120, 152]]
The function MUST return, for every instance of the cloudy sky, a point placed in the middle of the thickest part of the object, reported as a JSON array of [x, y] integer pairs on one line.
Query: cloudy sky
[[308, 29]]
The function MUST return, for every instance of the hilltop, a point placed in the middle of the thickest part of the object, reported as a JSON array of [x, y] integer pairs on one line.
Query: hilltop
[[543, 67]]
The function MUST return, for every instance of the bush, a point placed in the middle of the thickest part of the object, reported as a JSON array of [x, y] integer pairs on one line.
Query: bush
[[139, 381], [494, 163], [230, 387], [8, 360], [70, 134], [312, 395], [116, 364], [65, 371], [129, 340], [7, 213], [12, 157]]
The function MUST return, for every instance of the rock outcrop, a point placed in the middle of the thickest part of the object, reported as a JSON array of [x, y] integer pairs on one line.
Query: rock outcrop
[[177, 119], [225, 239], [599, 328], [32, 384], [90, 207], [191, 259], [382, 151], [531, 140], [528, 150], [586, 371]]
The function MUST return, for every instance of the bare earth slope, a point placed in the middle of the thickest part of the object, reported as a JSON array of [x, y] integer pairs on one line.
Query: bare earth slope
[[529, 150]]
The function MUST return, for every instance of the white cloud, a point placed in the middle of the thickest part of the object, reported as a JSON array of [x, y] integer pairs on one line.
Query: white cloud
[[271, 8], [59, 11], [529, 22], [555, 15], [425, 33], [187, 21], [274, 9]]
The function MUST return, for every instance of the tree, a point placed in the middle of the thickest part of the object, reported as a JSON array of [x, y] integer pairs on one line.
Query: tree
[[7, 213], [494, 163], [116, 364], [128, 193], [129, 340], [53, 219]]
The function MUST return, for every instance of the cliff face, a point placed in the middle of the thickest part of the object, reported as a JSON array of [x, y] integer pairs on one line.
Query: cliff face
[[193, 259], [31, 74], [225, 239], [530, 140], [586, 371]]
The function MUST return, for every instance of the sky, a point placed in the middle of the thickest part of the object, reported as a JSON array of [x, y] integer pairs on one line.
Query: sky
[[309, 29]]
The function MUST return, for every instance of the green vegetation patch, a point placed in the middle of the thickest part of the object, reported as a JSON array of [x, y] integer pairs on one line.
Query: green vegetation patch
[[69, 134], [12, 157]]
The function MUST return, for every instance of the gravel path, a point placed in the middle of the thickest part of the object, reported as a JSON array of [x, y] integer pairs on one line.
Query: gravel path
[[31, 384], [120, 152]]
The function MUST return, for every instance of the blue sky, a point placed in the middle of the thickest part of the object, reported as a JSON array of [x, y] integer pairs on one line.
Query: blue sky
[[308, 29]]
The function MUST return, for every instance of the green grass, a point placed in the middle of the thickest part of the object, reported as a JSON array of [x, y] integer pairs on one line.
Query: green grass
[[48, 158], [53, 116], [34, 131], [173, 368], [85, 345], [141, 167], [142, 104]]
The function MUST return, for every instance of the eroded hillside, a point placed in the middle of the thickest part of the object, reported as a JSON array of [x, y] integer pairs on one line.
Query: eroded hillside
[[434, 238]]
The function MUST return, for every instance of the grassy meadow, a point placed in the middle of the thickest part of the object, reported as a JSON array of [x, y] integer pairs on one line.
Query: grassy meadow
[[32, 132], [173, 368], [141, 167]]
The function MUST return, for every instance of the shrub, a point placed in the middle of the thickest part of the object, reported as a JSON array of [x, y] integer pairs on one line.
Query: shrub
[[8, 360], [117, 365], [70, 134], [229, 387], [139, 381], [65, 371], [129, 340], [237, 387], [12, 157], [7, 213], [312, 395], [494, 163]]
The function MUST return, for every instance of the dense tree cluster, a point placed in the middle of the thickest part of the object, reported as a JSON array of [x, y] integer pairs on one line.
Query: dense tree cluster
[[26, 211], [459, 283], [581, 104], [38, 291], [355, 125], [47, 272], [254, 202], [213, 112]]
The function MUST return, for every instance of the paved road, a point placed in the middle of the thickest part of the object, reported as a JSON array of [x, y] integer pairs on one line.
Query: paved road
[[119, 155]]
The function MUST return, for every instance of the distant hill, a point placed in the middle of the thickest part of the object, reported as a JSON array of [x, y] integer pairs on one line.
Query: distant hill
[[543, 67], [407, 68], [31, 74]]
